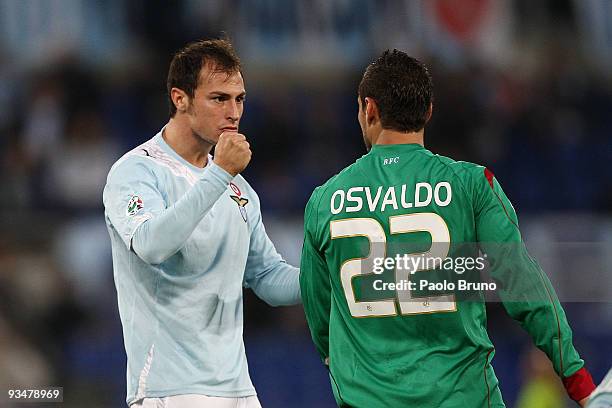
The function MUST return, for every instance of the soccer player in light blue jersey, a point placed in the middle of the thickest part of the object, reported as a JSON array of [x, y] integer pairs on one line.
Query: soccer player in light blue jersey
[[187, 236]]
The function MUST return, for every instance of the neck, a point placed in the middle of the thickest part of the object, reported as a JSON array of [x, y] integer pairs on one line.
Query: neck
[[186, 143], [388, 136]]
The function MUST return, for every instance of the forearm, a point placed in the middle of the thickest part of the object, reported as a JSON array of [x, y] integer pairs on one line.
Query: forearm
[[279, 286], [530, 298], [162, 236]]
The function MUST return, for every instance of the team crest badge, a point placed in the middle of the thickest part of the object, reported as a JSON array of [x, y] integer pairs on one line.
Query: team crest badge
[[238, 199], [134, 205]]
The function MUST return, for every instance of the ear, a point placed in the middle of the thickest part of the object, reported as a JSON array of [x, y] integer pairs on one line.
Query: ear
[[371, 111], [180, 99], [429, 112]]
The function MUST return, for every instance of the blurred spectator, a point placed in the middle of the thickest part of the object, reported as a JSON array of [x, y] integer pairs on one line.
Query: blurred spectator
[[541, 387], [77, 168]]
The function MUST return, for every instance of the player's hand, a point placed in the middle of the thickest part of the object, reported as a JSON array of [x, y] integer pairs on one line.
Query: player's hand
[[232, 152], [583, 402]]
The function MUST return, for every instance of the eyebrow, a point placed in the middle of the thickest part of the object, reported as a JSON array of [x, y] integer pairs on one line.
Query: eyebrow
[[219, 93]]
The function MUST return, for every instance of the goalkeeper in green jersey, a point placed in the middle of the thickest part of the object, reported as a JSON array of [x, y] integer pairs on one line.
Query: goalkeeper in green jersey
[[389, 341]]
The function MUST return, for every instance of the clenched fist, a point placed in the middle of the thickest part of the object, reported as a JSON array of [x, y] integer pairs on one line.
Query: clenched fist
[[232, 152]]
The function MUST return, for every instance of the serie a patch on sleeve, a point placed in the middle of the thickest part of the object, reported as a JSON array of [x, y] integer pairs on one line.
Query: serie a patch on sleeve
[[134, 205]]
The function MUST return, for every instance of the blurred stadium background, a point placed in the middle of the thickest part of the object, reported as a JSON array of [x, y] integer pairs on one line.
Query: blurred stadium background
[[524, 87]]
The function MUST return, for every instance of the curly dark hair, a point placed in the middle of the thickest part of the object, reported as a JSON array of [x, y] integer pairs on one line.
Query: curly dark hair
[[186, 64], [402, 88]]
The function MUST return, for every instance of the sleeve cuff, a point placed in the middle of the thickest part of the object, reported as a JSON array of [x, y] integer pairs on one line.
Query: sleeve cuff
[[579, 385]]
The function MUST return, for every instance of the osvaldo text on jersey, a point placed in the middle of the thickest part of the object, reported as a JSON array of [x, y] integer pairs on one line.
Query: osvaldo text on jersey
[[353, 199]]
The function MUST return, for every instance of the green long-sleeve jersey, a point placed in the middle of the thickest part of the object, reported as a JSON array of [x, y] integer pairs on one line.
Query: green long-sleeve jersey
[[406, 346]]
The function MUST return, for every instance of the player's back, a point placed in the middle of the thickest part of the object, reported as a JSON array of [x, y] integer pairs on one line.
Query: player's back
[[399, 345]]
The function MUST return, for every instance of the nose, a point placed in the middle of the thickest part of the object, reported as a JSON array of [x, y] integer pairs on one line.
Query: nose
[[233, 111]]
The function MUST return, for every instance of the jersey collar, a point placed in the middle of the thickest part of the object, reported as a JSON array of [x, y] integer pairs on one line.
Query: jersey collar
[[403, 147]]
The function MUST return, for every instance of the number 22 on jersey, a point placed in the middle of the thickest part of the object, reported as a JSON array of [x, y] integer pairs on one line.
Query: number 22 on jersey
[[370, 228]]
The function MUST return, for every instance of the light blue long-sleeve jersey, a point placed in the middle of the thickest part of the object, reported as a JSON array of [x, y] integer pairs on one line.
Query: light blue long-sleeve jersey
[[185, 240]]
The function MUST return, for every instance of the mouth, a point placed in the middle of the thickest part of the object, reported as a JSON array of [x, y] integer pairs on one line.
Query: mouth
[[230, 128]]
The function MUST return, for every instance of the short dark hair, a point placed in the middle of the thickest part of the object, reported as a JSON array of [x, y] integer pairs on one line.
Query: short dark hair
[[186, 64], [402, 88]]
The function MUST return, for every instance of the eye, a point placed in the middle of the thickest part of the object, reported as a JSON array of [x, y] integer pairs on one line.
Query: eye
[[240, 99]]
